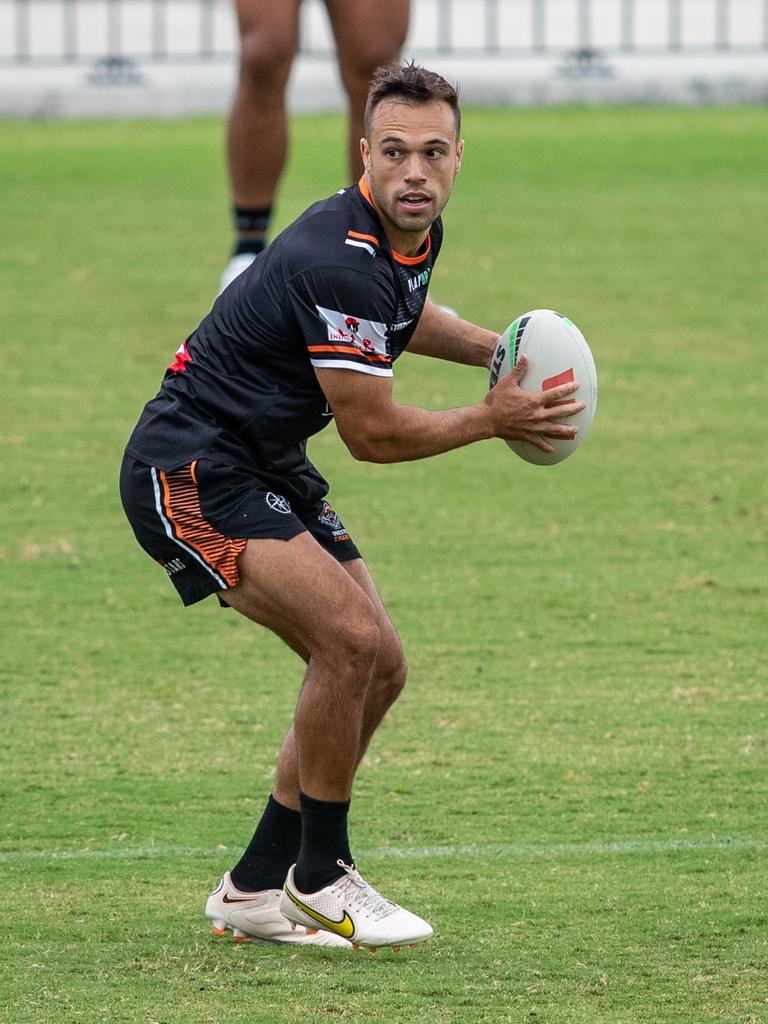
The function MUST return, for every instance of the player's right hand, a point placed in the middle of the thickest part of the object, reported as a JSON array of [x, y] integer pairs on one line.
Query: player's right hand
[[519, 415]]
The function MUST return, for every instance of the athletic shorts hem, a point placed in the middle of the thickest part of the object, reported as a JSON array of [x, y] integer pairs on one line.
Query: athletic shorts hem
[[198, 549]]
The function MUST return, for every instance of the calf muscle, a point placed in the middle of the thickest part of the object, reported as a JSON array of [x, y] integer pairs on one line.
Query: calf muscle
[[321, 611]]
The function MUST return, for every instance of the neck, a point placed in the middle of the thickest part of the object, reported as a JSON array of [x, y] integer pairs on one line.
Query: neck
[[403, 243]]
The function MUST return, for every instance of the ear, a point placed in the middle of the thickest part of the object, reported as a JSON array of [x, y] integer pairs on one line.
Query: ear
[[365, 151], [459, 154]]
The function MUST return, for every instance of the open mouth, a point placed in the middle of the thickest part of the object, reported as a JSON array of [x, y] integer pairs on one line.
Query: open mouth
[[415, 201]]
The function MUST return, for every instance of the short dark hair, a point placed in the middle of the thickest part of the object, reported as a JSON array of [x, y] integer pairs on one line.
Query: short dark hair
[[410, 83]]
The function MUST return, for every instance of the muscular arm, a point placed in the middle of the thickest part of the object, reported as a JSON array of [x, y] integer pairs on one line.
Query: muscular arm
[[376, 429], [447, 337]]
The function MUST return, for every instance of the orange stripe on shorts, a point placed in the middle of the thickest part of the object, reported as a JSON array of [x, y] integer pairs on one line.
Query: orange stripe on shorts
[[181, 500]]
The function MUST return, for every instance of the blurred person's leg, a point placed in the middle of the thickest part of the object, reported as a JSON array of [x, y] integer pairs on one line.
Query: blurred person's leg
[[257, 134], [368, 33]]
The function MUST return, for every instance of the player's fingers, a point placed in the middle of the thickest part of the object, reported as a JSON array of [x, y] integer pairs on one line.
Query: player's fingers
[[561, 391], [561, 431], [556, 411], [537, 440], [518, 370]]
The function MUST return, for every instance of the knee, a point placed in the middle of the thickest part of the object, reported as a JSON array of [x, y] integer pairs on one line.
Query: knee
[[265, 59], [390, 673], [356, 644], [357, 68]]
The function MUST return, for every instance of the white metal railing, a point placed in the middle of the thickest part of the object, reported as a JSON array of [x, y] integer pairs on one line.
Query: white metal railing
[[128, 31]]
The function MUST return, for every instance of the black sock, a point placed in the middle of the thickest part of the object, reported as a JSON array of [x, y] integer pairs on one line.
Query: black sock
[[251, 226], [254, 245], [324, 841], [274, 847]]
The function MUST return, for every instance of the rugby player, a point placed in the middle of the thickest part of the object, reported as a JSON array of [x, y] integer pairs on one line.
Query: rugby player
[[218, 487]]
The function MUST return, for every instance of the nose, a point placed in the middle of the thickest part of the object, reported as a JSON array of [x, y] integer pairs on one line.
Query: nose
[[414, 169]]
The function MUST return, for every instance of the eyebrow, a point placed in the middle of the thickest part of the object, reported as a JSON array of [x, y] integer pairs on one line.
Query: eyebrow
[[429, 142]]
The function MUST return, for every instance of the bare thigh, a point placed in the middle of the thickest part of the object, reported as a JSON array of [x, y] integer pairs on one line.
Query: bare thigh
[[276, 25], [368, 32], [300, 592], [283, 597]]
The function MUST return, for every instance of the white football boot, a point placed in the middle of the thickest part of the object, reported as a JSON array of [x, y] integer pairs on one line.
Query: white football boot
[[235, 267], [352, 908], [256, 915]]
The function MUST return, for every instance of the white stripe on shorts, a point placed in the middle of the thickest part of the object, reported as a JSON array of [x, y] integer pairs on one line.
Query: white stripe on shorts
[[169, 531]]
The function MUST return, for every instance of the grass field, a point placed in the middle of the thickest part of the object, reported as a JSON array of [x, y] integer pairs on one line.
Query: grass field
[[573, 787]]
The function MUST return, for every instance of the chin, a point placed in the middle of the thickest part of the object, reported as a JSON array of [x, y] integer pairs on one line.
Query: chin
[[419, 222]]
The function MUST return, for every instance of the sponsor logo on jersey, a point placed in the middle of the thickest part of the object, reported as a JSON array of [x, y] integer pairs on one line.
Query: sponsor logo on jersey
[[369, 336], [401, 325], [353, 326], [419, 280]]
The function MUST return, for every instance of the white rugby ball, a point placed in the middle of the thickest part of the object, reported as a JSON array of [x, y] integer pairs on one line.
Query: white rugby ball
[[557, 353]]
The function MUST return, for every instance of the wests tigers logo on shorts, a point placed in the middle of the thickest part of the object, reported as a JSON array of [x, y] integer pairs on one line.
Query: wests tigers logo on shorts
[[328, 517]]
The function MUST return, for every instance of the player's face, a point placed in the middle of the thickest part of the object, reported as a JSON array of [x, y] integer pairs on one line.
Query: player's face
[[411, 161]]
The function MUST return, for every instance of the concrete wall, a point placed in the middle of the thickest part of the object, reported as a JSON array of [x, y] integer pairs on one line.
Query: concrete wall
[[173, 90]]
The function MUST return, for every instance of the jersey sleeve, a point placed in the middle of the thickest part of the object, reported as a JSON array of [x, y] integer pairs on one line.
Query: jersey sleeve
[[343, 317]]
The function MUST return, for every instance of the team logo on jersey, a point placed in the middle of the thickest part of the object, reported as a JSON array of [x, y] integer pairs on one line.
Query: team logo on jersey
[[369, 336], [278, 503], [330, 518]]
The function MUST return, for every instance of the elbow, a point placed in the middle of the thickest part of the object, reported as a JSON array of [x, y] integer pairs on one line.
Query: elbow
[[365, 447], [363, 450]]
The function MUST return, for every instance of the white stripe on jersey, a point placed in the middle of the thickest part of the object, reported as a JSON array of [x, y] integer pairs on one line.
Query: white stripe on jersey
[[343, 364], [360, 245]]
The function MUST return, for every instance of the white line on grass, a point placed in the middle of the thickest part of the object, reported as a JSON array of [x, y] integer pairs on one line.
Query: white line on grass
[[423, 852]]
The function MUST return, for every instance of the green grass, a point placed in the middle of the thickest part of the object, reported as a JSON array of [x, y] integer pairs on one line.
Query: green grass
[[587, 704]]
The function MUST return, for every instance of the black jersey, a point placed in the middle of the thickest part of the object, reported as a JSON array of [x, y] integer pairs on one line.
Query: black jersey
[[327, 292]]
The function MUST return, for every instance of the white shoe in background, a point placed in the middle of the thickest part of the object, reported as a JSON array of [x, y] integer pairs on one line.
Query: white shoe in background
[[257, 915]]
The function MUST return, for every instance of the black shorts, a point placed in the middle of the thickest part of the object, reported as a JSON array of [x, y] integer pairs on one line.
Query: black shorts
[[195, 521]]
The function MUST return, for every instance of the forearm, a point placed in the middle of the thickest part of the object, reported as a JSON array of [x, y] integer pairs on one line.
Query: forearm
[[412, 433], [447, 337], [375, 429]]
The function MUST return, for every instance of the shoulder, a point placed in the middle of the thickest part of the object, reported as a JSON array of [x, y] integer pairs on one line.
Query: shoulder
[[332, 257], [338, 232]]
